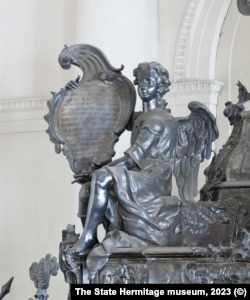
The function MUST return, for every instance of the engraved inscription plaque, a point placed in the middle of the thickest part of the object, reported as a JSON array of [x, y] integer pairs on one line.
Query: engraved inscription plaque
[[86, 119]]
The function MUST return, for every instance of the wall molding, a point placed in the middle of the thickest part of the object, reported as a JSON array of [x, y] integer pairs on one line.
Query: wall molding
[[23, 104], [23, 115], [200, 86], [183, 40]]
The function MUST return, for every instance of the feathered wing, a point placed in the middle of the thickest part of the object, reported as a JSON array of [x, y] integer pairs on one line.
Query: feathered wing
[[196, 133]]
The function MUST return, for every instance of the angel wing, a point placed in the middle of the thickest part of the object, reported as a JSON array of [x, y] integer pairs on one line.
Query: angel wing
[[196, 133]]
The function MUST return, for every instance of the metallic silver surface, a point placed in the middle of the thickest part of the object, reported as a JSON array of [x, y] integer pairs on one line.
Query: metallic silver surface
[[132, 195], [244, 7]]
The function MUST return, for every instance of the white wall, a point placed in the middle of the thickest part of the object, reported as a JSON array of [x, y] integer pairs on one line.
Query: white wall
[[37, 199], [35, 182]]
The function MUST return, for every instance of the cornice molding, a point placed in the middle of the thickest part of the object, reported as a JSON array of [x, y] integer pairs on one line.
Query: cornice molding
[[23, 115], [23, 104], [200, 86]]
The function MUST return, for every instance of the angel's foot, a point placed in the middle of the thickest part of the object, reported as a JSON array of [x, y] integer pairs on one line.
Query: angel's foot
[[82, 246]]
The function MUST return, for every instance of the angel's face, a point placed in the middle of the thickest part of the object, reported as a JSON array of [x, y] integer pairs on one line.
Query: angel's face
[[147, 84]]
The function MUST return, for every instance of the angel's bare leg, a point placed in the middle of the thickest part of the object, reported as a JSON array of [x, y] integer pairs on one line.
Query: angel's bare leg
[[83, 202], [98, 202]]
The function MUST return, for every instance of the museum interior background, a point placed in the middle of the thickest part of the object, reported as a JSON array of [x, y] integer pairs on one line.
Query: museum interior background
[[203, 43]]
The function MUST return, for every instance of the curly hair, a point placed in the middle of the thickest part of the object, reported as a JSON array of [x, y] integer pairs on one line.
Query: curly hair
[[163, 74]]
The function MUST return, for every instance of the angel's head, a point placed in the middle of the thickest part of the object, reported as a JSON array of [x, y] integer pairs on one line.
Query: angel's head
[[152, 80]]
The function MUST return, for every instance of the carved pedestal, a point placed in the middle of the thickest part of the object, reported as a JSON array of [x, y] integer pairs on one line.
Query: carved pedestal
[[173, 265], [211, 246], [169, 265]]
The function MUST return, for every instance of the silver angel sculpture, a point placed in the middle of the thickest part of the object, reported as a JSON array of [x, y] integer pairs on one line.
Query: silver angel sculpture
[[130, 195]]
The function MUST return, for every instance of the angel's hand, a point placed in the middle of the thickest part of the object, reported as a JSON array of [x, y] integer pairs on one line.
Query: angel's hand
[[72, 84], [82, 177]]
